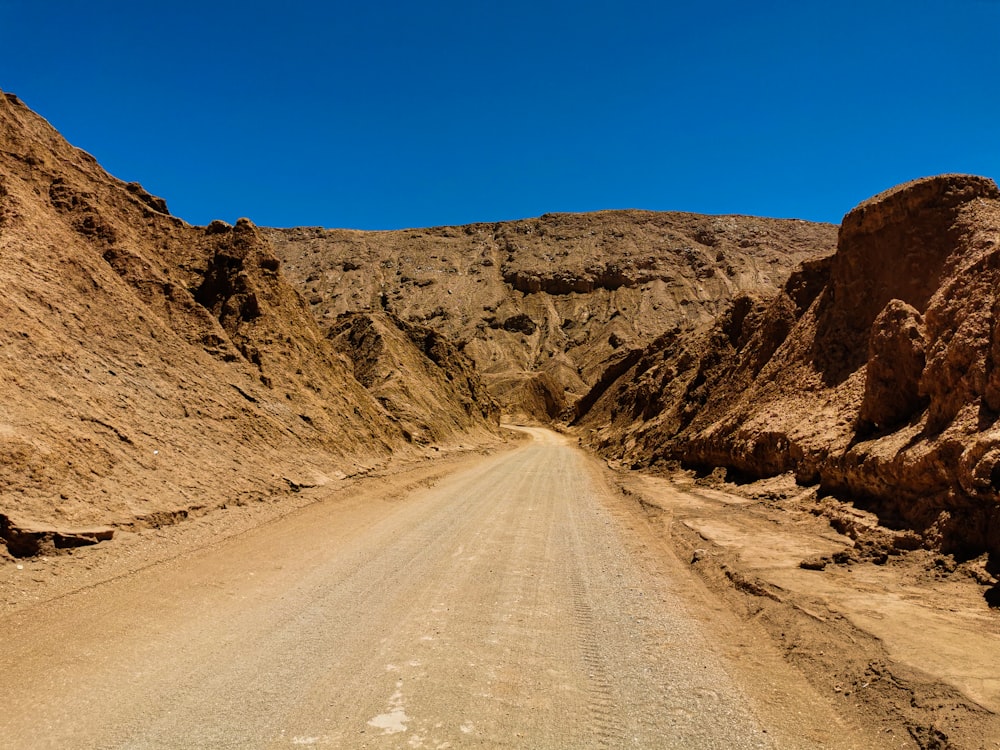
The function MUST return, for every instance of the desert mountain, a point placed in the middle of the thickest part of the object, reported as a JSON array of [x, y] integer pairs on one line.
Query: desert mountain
[[872, 372], [544, 306], [151, 368]]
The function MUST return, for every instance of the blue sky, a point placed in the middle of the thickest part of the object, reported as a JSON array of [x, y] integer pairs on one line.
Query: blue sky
[[383, 115]]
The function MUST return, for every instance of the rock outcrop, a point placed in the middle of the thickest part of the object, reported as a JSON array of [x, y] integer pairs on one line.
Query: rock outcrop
[[872, 373], [897, 354], [559, 296], [419, 377]]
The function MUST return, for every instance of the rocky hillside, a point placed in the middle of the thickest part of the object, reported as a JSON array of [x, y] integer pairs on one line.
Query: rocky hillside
[[151, 368], [873, 373], [542, 306], [429, 387]]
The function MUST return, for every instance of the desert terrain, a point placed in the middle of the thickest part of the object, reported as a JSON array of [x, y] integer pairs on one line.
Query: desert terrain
[[620, 479]]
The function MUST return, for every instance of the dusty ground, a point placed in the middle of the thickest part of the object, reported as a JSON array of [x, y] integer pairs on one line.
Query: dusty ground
[[908, 644], [531, 597], [25, 582]]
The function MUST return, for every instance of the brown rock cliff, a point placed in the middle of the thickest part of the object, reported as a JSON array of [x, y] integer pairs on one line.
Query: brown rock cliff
[[871, 373]]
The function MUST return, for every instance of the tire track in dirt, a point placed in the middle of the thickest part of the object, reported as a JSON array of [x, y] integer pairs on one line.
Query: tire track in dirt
[[603, 712]]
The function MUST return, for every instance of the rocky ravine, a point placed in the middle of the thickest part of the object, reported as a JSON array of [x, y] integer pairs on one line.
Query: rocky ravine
[[544, 306], [151, 369], [873, 374]]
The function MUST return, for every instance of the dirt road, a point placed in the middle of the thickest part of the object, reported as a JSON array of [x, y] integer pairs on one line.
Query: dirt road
[[511, 604]]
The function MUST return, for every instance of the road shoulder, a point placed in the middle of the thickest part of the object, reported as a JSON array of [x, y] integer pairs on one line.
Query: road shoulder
[[30, 581], [907, 655]]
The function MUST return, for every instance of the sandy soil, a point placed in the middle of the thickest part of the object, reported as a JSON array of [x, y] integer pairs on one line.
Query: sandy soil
[[512, 600], [908, 645]]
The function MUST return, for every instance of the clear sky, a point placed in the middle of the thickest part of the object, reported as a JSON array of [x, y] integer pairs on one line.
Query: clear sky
[[383, 115]]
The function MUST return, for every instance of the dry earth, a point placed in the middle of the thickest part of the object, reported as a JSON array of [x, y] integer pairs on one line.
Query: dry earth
[[908, 645], [529, 597], [510, 600]]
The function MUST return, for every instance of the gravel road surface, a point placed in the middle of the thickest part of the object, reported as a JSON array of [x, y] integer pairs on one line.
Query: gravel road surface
[[500, 607]]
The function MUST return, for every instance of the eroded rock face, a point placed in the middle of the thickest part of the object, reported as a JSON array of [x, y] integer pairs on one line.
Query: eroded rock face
[[896, 358], [419, 377], [893, 246], [151, 367], [34, 539], [874, 374], [529, 396], [562, 295]]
